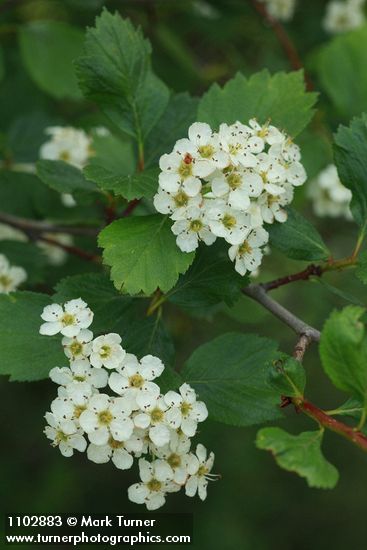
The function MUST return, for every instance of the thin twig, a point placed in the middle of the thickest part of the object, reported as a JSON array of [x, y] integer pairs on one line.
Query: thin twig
[[34, 226], [326, 421], [284, 40], [258, 293], [312, 270], [74, 250]]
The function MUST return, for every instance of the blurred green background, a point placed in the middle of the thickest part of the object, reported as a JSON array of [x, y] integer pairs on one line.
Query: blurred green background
[[255, 505]]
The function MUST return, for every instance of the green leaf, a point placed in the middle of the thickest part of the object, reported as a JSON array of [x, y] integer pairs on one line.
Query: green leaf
[[181, 112], [143, 254], [281, 98], [338, 63], [134, 186], [115, 72], [361, 271], [350, 153], [297, 238], [48, 49], [230, 374], [63, 177], [24, 353], [300, 454], [210, 280], [343, 351], [113, 153], [288, 377], [110, 308], [26, 255], [352, 408]]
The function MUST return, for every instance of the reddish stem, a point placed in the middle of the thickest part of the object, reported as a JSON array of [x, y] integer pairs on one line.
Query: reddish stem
[[130, 208], [311, 270], [356, 437]]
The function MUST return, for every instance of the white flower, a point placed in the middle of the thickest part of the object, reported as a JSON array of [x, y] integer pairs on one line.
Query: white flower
[[191, 231], [10, 276], [175, 204], [198, 481], [271, 206], [235, 145], [119, 452], [176, 454], [248, 255], [70, 405], [342, 16], [135, 379], [79, 346], [270, 134], [105, 417], [178, 172], [68, 200], [79, 374], [208, 155], [280, 9], [65, 435], [69, 320], [107, 351], [237, 186], [153, 417], [185, 411], [329, 196], [228, 223], [156, 482], [68, 144]]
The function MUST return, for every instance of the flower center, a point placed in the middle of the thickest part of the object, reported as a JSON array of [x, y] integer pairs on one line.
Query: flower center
[[245, 248], [264, 176], [202, 470], [78, 409], [5, 281], [181, 199], [263, 132], [105, 417], [157, 415], [154, 485], [196, 225], [64, 155], [136, 381], [185, 408], [79, 378], [234, 180], [174, 460], [234, 148], [60, 436], [185, 169], [76, 348], [68, 319], [272, 199], [105, 351], [206, 151], [228, 221], [115, 444]]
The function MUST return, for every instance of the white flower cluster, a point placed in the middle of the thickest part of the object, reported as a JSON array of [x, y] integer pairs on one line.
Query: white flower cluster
[[329, 196], [228, 184], [344, 15], [10, 276], [283, 10], [137, 422]]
